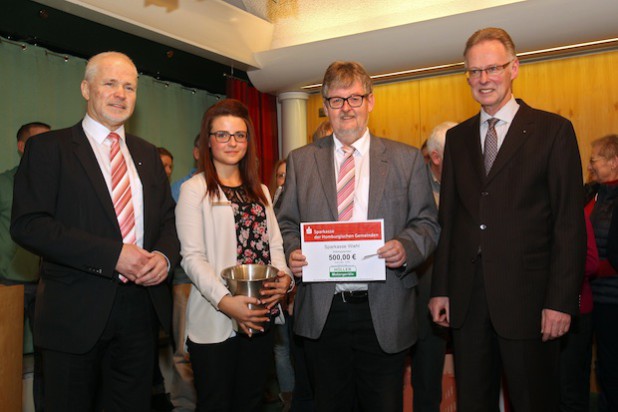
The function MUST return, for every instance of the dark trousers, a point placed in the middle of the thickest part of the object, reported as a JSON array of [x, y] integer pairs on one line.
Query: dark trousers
[[37, 375], [531, 367], [605, 320], [427, 356], [575, 359], [348, 366], [115, 375], [230, 376], [302, 401]]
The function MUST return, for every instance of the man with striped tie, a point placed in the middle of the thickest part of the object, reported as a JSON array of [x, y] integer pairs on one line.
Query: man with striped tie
[[94, 202], [357, 334]]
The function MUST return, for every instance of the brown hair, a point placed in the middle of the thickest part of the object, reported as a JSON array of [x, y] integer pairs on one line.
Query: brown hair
[[343, 74], [323, 130], [248, 164], [273, 179], [488, 34], [164, 152], [608, 146]]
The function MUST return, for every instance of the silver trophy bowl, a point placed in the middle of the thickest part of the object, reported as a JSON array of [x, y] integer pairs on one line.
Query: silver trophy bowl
[[248, 280]]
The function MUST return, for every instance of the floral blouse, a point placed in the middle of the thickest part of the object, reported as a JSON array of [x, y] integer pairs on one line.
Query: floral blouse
[[251, 232]]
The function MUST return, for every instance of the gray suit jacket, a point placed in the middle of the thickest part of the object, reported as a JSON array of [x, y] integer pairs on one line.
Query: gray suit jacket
[[399, 192]]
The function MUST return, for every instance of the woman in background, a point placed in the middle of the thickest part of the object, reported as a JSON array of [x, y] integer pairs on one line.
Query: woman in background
[[224, 218], [601, 206]]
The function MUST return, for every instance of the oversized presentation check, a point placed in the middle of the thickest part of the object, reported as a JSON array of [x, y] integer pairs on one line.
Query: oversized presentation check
[[343, 251]]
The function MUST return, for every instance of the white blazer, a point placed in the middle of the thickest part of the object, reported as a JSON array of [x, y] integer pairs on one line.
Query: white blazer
[[207, 234]]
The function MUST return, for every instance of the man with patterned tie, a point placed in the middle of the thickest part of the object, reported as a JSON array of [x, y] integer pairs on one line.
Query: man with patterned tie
[[357, 334], [94, 202], [510, 261]]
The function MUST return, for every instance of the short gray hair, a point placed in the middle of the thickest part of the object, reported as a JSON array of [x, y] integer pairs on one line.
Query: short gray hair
[[438, 136], [93, 64]]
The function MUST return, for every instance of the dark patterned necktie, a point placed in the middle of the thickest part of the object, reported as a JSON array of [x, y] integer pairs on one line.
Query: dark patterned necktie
[[491, 144]]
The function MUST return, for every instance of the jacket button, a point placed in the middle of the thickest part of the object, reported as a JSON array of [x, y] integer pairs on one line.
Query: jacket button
[[483, 227]]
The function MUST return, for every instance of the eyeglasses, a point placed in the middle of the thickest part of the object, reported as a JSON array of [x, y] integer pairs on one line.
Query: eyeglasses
[[356, 100], [222, 136], [490, 71]]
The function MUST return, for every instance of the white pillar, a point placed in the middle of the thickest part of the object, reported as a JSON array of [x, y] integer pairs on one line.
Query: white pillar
[[293, 121]]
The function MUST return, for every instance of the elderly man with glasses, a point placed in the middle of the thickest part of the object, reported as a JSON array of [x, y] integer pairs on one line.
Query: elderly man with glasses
[[510, 262]]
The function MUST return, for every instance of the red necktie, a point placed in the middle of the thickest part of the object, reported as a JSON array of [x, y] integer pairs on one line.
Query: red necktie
[[121, 191], [345, 185]]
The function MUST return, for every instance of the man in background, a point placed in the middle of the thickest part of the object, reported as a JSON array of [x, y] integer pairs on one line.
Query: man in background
[[17, 265], [182, 389], [94, 202], [168, 161], [510, 261], [429, 350]]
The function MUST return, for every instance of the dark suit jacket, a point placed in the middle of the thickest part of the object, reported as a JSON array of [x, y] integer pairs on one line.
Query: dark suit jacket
[[526, 217], [399, 192], [63, 212]]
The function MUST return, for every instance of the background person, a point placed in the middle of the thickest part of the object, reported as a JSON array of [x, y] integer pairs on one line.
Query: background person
[[601, 206], [168, 161], [182, 390], [17, 265], [225, 218], [427, 354]]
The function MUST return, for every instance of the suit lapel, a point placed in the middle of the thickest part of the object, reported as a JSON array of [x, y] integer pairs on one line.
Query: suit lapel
[[86, 157], [325, 162], [477, 150], [518, 133], [378, 170]]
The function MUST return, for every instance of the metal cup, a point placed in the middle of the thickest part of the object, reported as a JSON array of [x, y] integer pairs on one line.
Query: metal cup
[[248, 280]]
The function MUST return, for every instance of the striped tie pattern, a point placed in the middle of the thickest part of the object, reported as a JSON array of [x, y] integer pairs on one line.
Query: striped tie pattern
[[491, 144], [121, 191], [345, 185]]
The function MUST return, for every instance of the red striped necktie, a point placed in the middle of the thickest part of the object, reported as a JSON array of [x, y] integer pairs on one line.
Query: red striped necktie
[[345, 185], [121, 191]]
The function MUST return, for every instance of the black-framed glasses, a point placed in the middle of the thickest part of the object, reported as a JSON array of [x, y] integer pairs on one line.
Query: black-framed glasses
[[222, 136], [494, 70], [356, 100]]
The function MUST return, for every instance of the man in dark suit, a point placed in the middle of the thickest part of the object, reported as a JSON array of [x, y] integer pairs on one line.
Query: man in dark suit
[[358, 333], [510, 260], [102, 282]]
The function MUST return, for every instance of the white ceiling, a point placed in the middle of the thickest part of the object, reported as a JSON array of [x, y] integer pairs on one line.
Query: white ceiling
[[286, 44]]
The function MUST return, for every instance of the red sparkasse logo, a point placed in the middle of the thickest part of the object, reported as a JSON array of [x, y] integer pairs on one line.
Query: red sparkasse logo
[[342, 231]]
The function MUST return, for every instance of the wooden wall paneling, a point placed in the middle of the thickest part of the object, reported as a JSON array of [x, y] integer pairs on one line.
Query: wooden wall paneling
[[396, 112], [582, 89], [11, 347], [314, 104], [445, 98]]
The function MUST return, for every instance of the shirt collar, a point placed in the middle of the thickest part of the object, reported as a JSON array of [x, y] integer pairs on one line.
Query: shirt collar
[[361, 145], [99, 132], [506, 113]]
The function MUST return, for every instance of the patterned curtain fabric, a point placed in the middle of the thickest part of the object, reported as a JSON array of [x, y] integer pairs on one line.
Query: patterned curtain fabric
[[263, 111]]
